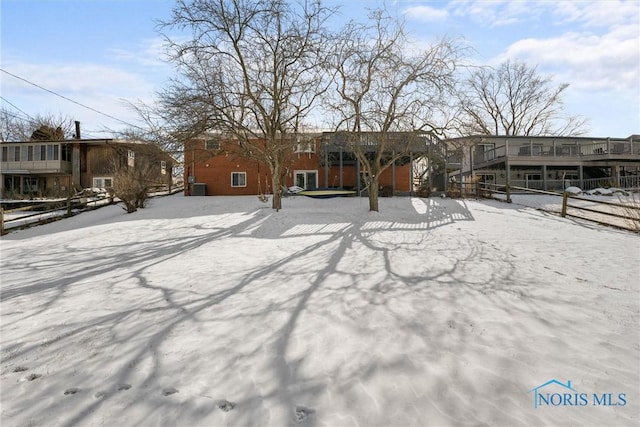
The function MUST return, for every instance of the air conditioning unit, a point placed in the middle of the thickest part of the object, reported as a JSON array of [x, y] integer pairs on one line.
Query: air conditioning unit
[[198, 189]]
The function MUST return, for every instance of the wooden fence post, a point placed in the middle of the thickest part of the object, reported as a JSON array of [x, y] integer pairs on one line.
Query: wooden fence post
[[508, 191], [565, 198], [1, 221], [69, 205]]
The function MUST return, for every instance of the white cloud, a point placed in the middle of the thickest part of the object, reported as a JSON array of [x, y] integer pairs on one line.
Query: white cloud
[[151, 52], [97, 86], [594, 13], [590, 61], [70, 79], [426, 14], [597, 13], [497, 13]]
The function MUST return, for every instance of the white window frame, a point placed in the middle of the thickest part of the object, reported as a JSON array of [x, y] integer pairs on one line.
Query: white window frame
[[101, 182], [242, 174], [53, 152], [163, 167], [306, 147], [304, 174]]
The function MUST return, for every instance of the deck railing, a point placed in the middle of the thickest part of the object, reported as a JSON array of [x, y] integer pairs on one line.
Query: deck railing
[[600, 148], [624, 182]]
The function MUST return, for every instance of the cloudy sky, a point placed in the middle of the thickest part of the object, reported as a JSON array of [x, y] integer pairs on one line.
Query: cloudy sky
[[61, 56]]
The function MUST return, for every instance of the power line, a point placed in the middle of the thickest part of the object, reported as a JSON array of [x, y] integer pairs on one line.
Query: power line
[[14, 106], [33, 121], [70, 100]]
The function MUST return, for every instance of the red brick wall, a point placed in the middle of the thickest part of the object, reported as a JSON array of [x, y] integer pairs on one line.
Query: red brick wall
[[215, 172]]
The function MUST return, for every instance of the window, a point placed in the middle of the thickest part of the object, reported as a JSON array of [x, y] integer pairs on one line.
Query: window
[[306, 179], [102, 182], [43, 153], [30, 153], [52, 152], [131, 158], [30, 185], [16, 154], [66, 153], [212, 144], [306, 147], [238, 179], [487, 151], [5, 154], [163, 167]]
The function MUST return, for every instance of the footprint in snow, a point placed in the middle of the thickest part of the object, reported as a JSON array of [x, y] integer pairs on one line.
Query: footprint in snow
[[303, 413], [123, 387], [20, 369], [225, 405], [32, 377], [169, 391], [72, 390], [100, 394]]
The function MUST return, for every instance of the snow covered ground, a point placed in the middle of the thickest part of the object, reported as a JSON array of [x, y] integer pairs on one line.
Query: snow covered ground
[[219, 311], [594, 203]]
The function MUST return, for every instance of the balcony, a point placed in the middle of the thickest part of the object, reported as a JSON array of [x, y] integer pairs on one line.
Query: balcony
[[604, 150], [35, 158]]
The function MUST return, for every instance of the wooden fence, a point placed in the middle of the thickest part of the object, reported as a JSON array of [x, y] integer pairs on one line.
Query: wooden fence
[[627, 215], [52, 210], [47, 211]]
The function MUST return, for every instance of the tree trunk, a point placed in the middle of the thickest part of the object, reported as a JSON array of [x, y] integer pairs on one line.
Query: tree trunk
[[276, 202], [374, 190]]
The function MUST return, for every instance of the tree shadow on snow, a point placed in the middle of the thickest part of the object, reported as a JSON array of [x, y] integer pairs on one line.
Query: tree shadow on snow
[[333, 320]]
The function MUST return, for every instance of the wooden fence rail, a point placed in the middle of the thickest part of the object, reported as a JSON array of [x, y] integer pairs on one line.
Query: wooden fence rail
[[630, 212], [63, 206]]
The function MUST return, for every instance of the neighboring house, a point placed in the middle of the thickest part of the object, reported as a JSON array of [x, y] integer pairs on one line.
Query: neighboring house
[[56, 168], [546, 163], [215, 166]]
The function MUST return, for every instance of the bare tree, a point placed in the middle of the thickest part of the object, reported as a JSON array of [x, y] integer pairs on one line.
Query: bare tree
[[136, 171], [514, 99], [14, 128], [132, 184], [249, 71], [387, 93], [631, 211]]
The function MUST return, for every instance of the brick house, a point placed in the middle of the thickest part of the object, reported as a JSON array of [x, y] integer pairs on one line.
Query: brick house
[[215, 166]]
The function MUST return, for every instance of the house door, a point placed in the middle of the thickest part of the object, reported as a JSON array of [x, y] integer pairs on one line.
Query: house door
[[306, 179], [488, 178]]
